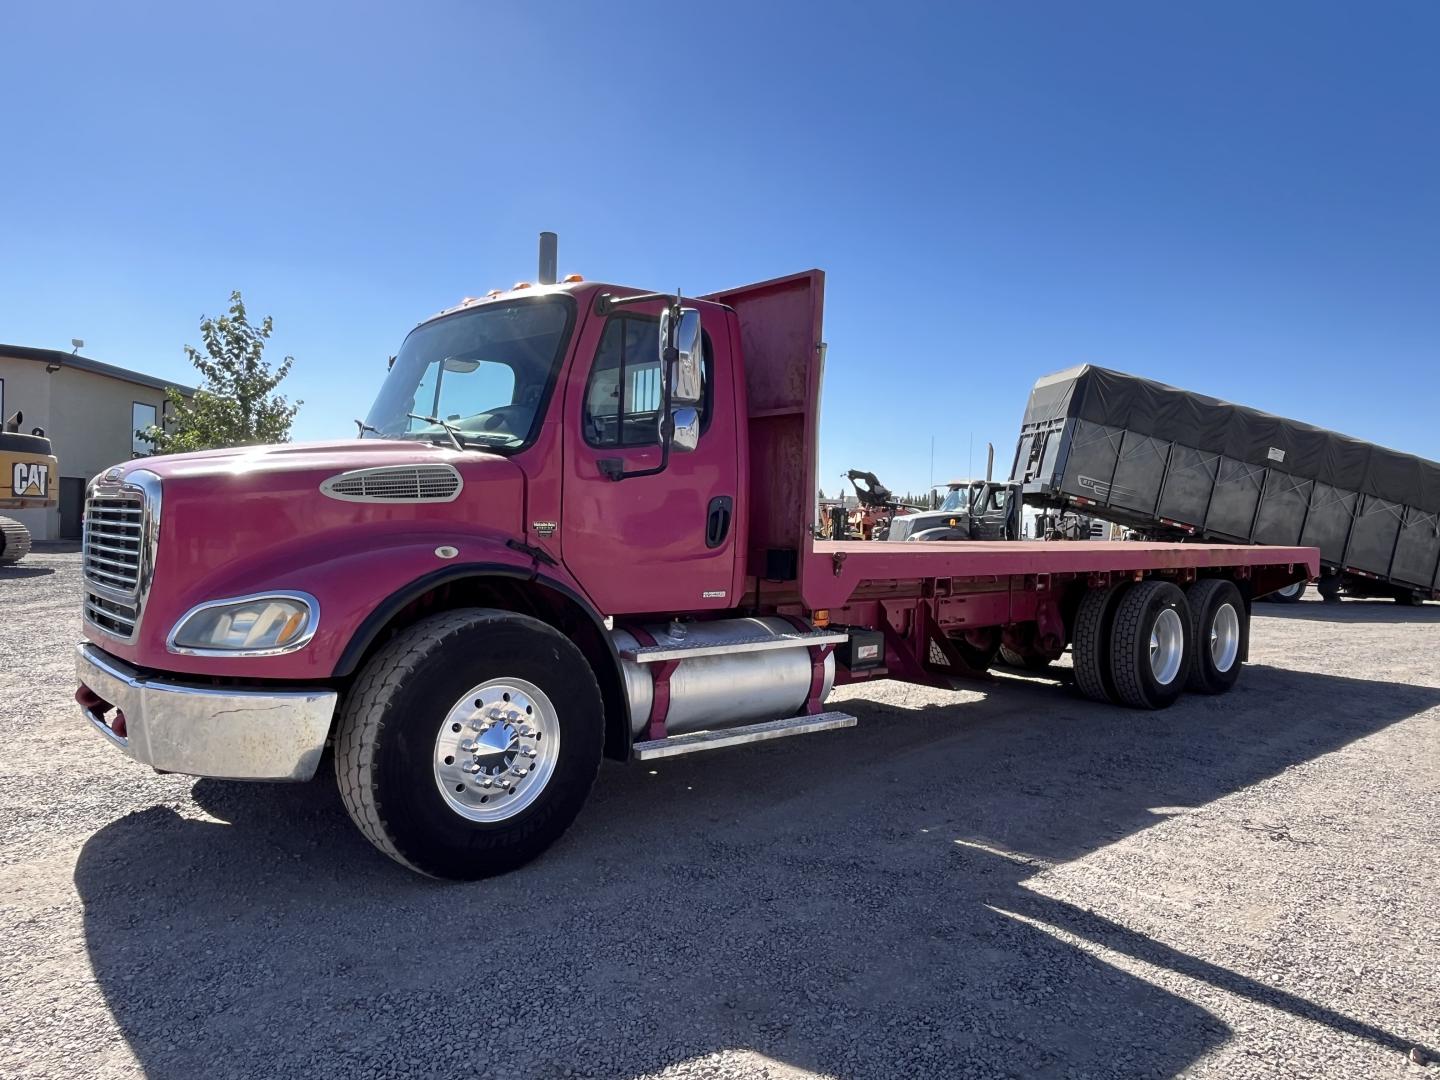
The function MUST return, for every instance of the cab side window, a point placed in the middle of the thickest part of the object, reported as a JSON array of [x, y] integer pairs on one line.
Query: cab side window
[[622, 398]]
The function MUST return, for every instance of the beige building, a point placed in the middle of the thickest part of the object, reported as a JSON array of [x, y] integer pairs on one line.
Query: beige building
[[90, 412]]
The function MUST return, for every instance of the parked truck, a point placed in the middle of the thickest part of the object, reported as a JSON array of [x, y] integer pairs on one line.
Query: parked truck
[[1174, 465], [581, 522]]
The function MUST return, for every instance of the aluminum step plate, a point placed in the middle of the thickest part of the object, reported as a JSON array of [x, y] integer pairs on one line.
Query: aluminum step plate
[[654, 654], [738, 736]]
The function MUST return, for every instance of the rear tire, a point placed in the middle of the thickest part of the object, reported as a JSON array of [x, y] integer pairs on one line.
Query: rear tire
[[1151, 645], [1220, 630], [1291, 594], [415, 796], [1091, 650]]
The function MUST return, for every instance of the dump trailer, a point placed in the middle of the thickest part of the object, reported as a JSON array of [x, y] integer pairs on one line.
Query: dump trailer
[[1175, 465], [579, 521], [27, 477]]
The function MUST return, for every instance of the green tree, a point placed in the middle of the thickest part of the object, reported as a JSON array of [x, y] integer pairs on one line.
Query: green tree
[[236, 403]]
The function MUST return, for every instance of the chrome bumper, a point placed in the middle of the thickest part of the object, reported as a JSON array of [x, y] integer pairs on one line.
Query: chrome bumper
[[204, 731]]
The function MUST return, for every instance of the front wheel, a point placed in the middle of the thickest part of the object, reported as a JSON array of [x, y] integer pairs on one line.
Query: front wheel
[[469, 742]]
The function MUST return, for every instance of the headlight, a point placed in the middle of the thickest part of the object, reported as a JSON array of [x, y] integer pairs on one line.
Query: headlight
[[260, 625]]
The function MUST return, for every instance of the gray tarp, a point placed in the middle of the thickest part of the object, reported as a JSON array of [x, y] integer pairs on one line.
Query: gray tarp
[[1118, 400]]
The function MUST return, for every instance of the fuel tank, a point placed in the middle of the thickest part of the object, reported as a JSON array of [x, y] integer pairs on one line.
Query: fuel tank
[[720, 690]]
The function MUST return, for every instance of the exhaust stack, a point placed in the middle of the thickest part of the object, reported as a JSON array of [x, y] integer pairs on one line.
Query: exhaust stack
[[549, 258], [990, 461]]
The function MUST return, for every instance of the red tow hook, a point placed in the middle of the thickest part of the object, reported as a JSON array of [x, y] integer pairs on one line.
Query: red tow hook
[[97, 706]]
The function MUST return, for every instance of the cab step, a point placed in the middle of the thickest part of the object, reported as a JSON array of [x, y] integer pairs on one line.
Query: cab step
[[738, 736], [655, 654]]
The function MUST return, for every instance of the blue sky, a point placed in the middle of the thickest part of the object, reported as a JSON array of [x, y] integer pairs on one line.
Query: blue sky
[[1237, 198]]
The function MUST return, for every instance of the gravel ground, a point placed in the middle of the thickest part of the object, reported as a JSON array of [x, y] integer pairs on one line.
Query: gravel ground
[[1005, 881]]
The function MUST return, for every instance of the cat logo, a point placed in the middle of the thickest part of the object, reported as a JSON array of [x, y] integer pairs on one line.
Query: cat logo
[[30, 479]]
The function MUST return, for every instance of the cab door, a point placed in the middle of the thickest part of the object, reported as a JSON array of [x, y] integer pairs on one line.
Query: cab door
[[659, 543]]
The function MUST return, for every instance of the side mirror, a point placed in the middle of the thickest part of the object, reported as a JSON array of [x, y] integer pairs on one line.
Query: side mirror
[[685, 429], [686, 364]]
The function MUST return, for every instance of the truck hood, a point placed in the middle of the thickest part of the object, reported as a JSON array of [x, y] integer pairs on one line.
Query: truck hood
[[338, 454], [244, 521]]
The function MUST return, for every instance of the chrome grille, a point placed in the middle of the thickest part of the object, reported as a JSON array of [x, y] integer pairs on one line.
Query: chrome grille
[[113, 527], [121, 524], [395, 483]]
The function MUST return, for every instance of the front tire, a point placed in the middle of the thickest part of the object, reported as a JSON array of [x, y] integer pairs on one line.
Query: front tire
[[1151, 645], [441, 752]]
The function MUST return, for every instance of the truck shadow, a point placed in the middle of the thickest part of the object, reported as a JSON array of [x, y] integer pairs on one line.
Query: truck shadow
[[1373, 612], [854, 903]]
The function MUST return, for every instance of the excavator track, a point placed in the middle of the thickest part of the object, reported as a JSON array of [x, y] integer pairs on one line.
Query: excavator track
[[14, 541]]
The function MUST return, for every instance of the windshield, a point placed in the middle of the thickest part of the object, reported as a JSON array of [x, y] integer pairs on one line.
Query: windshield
[[485, 373], [957, 499]]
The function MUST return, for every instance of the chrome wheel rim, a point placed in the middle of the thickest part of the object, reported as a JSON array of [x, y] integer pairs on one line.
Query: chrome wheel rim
[[496, 749], [1224, 637], [1167, 646], [1290, 590]]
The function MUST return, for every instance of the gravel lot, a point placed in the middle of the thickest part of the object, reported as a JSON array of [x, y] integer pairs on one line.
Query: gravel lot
[[1005, 881]]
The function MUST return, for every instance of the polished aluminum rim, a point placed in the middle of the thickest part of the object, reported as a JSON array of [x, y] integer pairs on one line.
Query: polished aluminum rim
[[1290, 590], [1224, 637], [497, 749], [1167, 646]]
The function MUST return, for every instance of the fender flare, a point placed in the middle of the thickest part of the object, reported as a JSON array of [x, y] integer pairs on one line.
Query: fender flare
[[374, 624]]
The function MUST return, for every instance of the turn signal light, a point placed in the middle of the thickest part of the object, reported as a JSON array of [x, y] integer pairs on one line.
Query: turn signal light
[[821, 618]]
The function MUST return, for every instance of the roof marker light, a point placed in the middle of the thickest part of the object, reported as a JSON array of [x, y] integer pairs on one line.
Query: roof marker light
[[569, 278], [492, 292], [521, 285]]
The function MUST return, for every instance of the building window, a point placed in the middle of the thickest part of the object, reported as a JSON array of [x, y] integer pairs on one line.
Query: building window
[[142, 416]]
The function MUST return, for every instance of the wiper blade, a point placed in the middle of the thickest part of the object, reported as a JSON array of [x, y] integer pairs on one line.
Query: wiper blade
[[450, 430]]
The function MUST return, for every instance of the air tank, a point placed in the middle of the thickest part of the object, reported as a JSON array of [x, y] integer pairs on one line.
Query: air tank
[[724, 689]]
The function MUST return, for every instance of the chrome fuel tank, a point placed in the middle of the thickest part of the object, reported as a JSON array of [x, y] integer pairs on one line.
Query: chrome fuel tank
[[719, 689]]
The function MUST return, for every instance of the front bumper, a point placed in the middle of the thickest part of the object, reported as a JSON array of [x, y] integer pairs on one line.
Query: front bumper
[[222, 732]]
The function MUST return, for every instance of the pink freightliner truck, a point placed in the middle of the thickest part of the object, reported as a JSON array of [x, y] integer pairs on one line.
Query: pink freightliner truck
[[580, 521]]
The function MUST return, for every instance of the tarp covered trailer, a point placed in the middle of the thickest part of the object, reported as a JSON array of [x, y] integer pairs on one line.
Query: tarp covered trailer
[[1170, 463]]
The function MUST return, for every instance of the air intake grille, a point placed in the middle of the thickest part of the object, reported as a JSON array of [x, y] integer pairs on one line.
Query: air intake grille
[[112, 555], [395, 483]]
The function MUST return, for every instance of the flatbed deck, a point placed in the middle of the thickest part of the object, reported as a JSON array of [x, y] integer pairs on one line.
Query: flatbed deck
[[856, 561]]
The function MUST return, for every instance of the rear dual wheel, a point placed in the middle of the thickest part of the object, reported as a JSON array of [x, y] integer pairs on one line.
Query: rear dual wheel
[[1142, 644]]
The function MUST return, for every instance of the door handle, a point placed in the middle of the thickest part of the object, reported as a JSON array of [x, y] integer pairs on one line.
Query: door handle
[[717, 522]]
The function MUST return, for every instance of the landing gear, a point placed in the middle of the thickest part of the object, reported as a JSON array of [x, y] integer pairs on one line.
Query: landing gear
[[1329, 588]]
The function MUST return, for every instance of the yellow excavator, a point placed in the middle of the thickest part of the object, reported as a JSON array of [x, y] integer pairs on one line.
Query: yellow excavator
[[27, 482]]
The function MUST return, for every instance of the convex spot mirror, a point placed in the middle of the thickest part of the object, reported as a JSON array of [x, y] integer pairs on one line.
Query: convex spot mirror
[[686, 364], [685, 429]]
